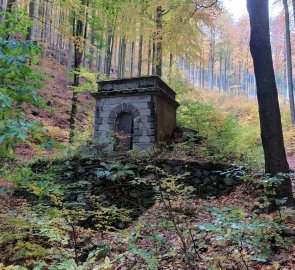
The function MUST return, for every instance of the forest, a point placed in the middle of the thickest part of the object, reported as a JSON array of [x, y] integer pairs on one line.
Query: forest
[[147, 135]]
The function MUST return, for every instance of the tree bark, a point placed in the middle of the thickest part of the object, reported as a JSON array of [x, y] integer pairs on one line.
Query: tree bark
[[109, 50], [31, 14], [9, 9], [79, 27], [140, 53], [268, 103], [159, 40], [212, 60], [149, 56], [154, 55], [132, 58], [293, 1], [289, 61]]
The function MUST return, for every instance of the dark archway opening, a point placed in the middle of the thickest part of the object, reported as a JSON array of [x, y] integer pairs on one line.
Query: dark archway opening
[[124, 132]]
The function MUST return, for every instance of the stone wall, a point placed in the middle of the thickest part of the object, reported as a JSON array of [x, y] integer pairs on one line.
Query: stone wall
[[166, 119], [82, 183], [142, 109], [205, 178]]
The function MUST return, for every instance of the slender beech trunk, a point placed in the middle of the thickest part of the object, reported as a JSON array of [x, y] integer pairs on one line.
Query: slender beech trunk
[[132, 58], [159, 41], [31, 14], [293, 1], [140, 45], [109, 50], [2, 9], [149, 56], [79, 26], [289, 61], [9, 9], [220, 71], [154, 55], [92, 50], [123, 59], [170, 63], [268, 102], [212, 59], [69, 64]]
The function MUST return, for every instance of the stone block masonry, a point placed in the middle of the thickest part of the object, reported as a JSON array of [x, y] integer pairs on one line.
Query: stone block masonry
[[134, 113]]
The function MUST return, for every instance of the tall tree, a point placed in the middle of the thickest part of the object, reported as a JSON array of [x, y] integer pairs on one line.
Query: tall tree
[[9, 9], [269, 110], [80, 34], [293, 1], [159, 40], [289, 60]]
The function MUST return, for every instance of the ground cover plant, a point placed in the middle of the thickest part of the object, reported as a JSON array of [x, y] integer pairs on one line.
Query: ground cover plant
[[212, 197]]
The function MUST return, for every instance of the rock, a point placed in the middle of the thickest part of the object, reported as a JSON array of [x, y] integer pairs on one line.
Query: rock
[[151, 176], [229, 181], [167, 168], [206, 173], [70, 197], [221, 187], [177, 169], [69, 174], [106, 203], [197, 181], [198, 174], [91, 178], [68, 165], [133, 194], [207, 181], [121, 225], [35, 112], [213, 178], [89, 162], [81, 169], [81, 198], [98, 182]]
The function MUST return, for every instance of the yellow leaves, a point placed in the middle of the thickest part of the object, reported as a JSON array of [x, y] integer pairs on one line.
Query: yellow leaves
[[35, 189], [10, 267], [106, 265], [276, 265]]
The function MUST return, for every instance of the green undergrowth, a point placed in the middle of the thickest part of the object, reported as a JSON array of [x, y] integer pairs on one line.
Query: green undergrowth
[[231, 132]]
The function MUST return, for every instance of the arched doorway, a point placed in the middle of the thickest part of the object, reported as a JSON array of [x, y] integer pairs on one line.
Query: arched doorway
[[124, 132]]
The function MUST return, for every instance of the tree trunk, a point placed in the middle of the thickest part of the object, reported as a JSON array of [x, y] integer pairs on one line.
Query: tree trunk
[[132, 58], [212, 59], [31, 14], [149, 56], [140, 53], [2, 9], [294, 9], [109, 51], [78, 28], [269, 110], [159, 38], [170, 63], [289, 61], [220, 71], [9, 9], [154, 55]]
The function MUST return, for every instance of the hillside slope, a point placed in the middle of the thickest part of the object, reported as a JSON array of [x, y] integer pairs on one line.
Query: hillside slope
[[56, 115]]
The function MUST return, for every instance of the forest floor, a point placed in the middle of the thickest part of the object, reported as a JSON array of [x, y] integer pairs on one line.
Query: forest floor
[[151, 242], [56, 115]]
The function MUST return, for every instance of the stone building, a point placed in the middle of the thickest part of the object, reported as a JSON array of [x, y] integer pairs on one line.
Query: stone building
[[134, 113]]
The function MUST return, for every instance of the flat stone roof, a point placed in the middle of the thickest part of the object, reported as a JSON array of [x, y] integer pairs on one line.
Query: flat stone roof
[[133, 85]]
